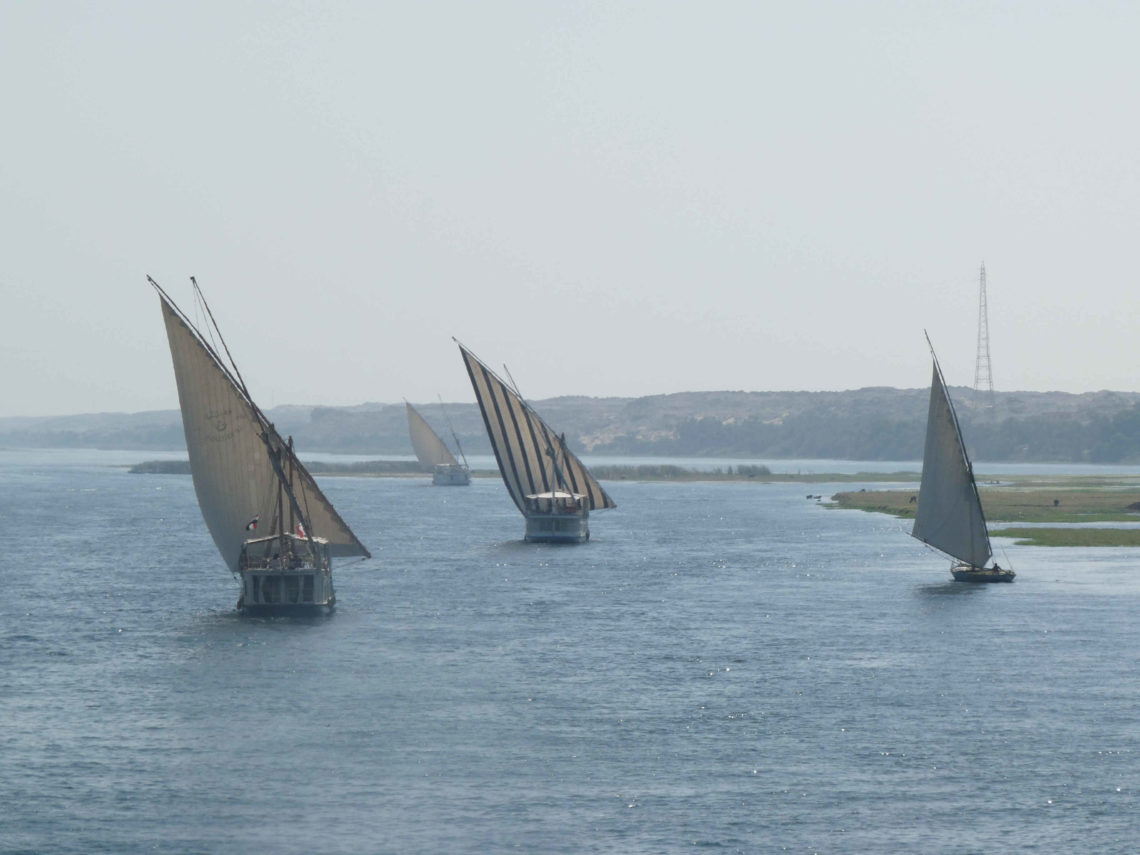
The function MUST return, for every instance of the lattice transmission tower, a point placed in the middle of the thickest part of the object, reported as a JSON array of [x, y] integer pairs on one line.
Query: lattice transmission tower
[[983, 374]]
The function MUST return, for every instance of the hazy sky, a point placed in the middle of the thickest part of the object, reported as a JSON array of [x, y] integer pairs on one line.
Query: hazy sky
[[612, 198]]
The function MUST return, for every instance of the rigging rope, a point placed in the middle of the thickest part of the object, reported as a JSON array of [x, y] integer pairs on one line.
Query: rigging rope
[[200, 318]]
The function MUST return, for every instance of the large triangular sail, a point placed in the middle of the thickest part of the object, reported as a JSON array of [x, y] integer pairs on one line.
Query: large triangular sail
[[532, 458], [949, 515], [429, 448], [228, 439]]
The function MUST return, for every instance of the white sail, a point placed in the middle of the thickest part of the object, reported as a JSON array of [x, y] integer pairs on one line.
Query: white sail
[[234, 477], [949, 515], [527, 449], [430, 450]]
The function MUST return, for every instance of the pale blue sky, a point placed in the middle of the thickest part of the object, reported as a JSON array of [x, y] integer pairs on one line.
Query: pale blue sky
[[613, 198]]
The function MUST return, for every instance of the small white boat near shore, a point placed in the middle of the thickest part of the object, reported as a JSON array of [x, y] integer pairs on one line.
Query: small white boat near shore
[[432, 451]]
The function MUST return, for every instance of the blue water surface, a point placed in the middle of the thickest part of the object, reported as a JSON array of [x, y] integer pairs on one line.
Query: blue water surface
[[724, 666]]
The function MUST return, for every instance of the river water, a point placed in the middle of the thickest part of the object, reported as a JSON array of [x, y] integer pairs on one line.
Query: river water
[[724, 666]]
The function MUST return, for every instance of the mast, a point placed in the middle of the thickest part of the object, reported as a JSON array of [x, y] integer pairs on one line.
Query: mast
[[280, 502], [558, 474], [289, 487], [221, 338], [286, 482], [451, 428], [549, 450]]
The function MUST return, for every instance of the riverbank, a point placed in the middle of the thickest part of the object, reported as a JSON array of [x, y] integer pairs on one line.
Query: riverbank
[[1073, 504], [385, 468], [603, 472]]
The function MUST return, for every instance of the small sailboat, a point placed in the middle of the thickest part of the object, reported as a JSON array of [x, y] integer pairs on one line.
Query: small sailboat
[[270, 521], [949, 515], [551, 487], [431, 451]]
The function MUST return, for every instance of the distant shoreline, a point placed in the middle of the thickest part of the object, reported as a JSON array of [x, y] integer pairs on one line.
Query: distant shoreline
[[873, 424], [604, 472], [1063, 500]]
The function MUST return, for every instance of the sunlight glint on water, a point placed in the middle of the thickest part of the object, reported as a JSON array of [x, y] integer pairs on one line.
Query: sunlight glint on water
[[724, 665]]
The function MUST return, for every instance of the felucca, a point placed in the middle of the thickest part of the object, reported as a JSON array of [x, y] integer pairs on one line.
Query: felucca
[[431, 451], [949, 515], [248, 479], [551, 487]]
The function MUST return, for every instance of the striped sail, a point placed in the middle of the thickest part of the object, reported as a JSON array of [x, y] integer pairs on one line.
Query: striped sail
[[233, 474], [523, 442], [430, 450], [949, 515]]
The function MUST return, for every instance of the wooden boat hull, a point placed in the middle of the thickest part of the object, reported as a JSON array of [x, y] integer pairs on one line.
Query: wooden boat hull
[[285, 573], [557, 528], [557, 518], [969, 573], [270, 591]]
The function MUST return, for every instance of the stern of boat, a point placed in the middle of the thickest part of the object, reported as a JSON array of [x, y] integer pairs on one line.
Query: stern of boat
[[557, 518], [451, 475], [289, 574]]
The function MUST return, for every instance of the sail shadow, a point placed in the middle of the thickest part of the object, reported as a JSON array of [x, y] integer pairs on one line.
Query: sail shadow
[[517, 546], [951, 587], [232, 620], [292, 617]]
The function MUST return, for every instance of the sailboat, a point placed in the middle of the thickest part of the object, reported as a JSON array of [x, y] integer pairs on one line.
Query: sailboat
[[949, 515], [551, 487], [432, 451], [270, 521]]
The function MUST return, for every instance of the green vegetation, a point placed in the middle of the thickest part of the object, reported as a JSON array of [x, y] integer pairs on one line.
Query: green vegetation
[[363, 467], [742, 472], [887, 424], [873, 423], [1015, 503], [1071, 536], [1075, 499], [670, 472], [638, 472]]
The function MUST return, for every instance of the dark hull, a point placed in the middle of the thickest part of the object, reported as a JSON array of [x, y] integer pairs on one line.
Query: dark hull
[[301, 609], [555, 538], [300, 589], [968, 573], [557, 528]]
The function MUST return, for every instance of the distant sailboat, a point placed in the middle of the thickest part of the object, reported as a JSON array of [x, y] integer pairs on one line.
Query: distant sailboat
[[550, 486], [432, 451], [949, 515], [270, 521]]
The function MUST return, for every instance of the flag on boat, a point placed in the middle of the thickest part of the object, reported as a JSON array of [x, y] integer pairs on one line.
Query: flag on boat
[[252, 524], [300, 530]]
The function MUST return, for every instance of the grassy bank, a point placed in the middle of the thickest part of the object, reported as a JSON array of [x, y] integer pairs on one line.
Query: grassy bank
[[1071, 536], [394, 468], [1060, 500], [1013, 504], [743, 472]]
